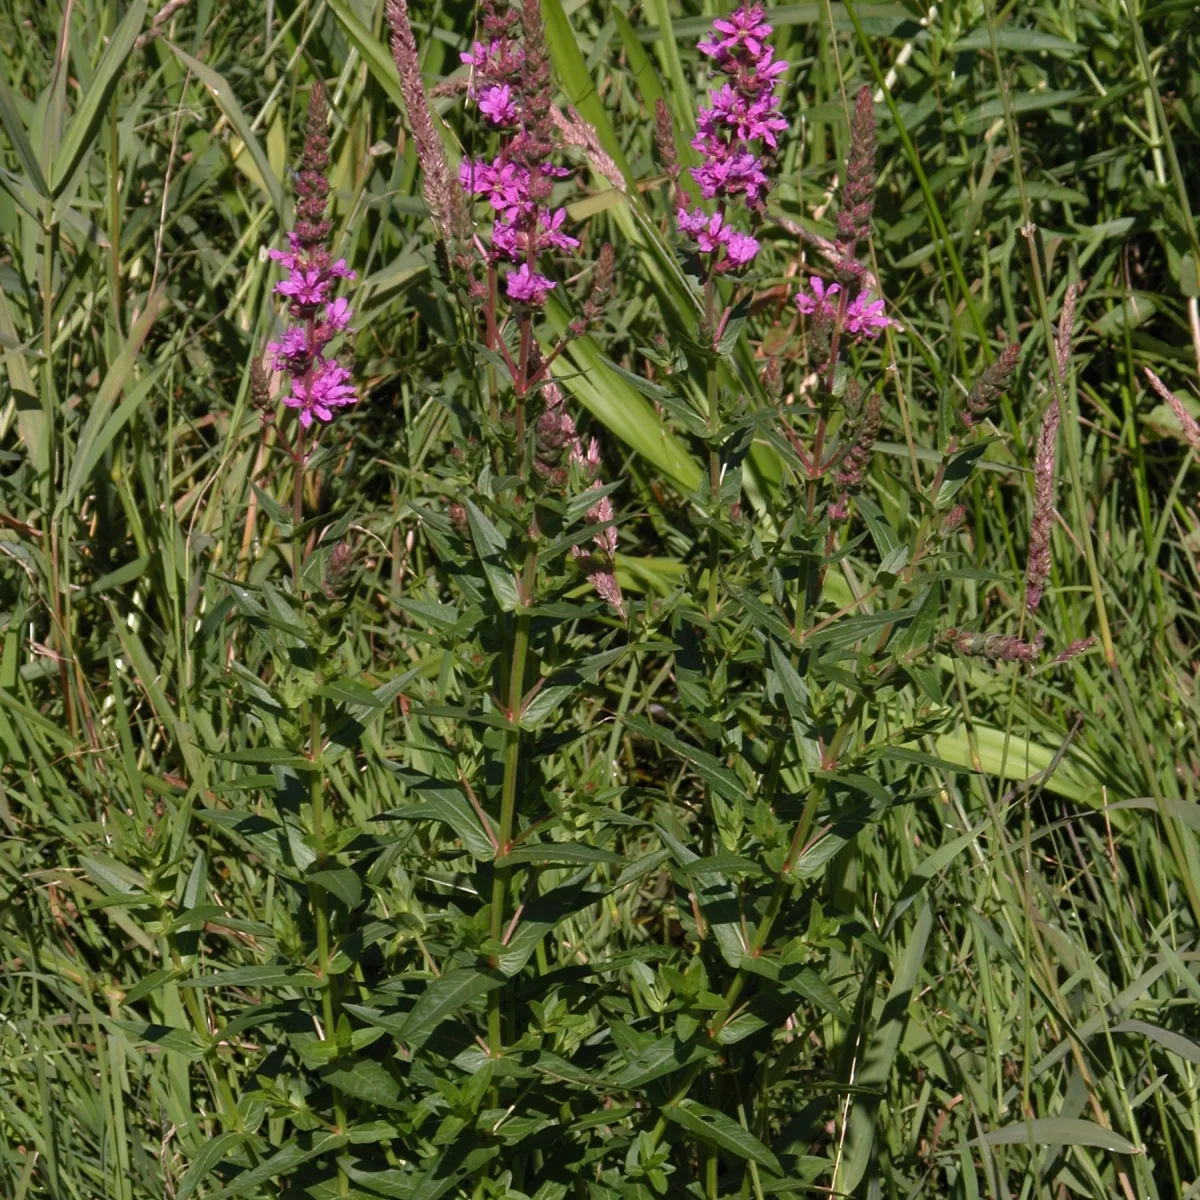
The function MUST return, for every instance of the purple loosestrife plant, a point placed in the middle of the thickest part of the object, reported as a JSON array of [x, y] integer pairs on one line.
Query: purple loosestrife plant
[[528, 479]]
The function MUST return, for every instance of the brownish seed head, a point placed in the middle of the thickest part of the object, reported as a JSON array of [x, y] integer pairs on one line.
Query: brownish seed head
[[991, 384]]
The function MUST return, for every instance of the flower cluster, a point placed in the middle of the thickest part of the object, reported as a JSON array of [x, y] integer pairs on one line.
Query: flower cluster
[[319, 385], [831, 311], [511, 86], [862, 317], [736, 134], [495, 69]]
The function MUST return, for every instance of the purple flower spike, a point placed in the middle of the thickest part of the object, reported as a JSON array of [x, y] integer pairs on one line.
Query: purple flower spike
[[318, 385], [737, 132]]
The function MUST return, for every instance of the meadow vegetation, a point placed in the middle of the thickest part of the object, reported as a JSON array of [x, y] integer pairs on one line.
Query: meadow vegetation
[[563, 635]]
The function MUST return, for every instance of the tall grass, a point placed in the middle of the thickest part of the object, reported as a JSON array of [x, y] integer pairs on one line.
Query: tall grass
[[997, 979]]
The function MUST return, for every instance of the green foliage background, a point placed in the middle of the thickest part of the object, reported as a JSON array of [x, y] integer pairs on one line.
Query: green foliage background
[[982, 978]]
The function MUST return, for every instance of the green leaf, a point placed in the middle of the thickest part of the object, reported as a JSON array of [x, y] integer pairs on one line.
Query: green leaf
[[342, 882], [795, 692], [274, 756], [100, 429], [610, 399], [880, 1055], [365, 1080], [542, 915], [80, 132], [180, 1041], [150, 983], [268, 975], [444, 997], [720, 778], [1168, 1039], [544, 704], [11, 120], [284, 1161], [719, 1130], [350, 693], [211, 1153], [570, 853], [663, 1056], [442, 802], [1031, 41], [376, 55], [576, 81], [492, 549]]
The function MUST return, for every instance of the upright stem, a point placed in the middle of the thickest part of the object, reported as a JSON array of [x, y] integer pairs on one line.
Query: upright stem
[[783, 884], [297, 517], [508, 792], [320, 905], [714, 455]]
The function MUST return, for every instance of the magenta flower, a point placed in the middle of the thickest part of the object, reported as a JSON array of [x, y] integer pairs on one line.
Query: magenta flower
[[477, 56], [819, 304], [714, 235], [292, 352], [550, 231], [505, 185], [746, 29], [289, 258], [338, 314], [512, 242], [714, 232], [725, 174], [305, 286], [499, 59], [740, 249], [741, 116], [317, 393], [497, 104], [865, 317], [527, 287], [692, 223]]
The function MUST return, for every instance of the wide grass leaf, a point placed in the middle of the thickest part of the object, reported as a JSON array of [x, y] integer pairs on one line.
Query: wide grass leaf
[[1058, 1131], [80, 132], [218, 87], [880, 1056]]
